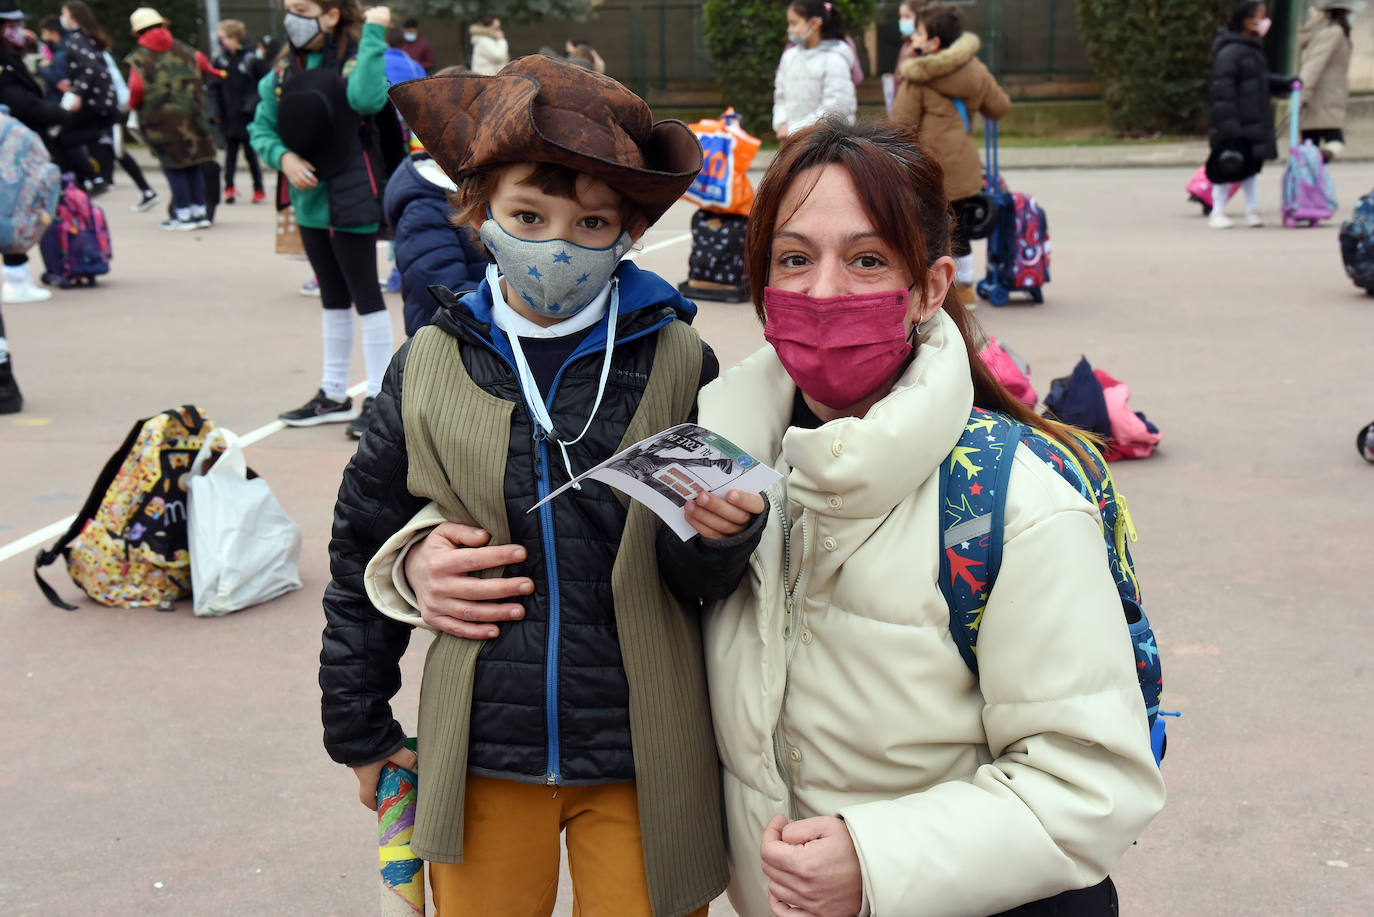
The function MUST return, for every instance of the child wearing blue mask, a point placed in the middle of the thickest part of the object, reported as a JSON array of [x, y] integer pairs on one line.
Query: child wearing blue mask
[[586, 710]]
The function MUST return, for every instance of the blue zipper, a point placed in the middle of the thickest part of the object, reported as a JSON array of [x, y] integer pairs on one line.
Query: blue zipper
[[541, 472], [551, 640]]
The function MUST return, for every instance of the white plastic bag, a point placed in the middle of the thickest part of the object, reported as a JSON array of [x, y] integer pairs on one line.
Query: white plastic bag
[[244, 548]]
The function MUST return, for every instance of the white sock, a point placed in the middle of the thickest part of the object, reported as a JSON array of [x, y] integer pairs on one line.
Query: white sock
[[337, 328], [963, 268], [1252, 193], [17, 274], [377, 348], [1219, 195], [185, 214]]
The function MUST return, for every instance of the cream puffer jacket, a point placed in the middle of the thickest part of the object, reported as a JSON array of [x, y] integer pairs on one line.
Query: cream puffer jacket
[[962, 798], [813, 82], [490, 50]]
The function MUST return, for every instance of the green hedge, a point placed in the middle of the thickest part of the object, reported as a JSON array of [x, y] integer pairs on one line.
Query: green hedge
[[745, 38], [1152, 58]]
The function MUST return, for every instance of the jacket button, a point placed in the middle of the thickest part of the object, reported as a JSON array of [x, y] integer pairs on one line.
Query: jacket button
[[806, 637], [830, 544], [834, 501], [836, 447], [794, 753]]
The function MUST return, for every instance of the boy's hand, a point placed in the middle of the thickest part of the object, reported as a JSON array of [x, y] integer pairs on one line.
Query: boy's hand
[[378, 15], [369, 774], [715, 518], [454, 601]]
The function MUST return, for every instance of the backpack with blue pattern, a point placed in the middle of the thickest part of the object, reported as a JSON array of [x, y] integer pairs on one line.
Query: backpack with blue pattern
[[973, 494]]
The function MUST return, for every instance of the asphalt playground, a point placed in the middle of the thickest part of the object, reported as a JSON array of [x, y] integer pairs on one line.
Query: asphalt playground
[[163, 764]]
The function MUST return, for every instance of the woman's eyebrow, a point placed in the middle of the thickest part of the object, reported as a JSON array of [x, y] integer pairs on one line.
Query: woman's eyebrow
[[848, 240]]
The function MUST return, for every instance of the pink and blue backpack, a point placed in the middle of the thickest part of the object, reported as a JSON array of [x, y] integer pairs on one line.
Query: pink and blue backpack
[[1309, 194], [76, 247], [1019, 247], [973, 497]]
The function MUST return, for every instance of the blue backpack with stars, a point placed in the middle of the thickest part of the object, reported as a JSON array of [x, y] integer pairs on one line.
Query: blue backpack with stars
[[973, 505]]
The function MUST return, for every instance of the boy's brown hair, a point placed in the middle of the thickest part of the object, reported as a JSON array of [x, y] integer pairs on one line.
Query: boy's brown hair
[[475, 191], [232, 28], [943, 22]]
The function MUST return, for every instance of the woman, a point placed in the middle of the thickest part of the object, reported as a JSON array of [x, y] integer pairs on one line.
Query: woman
[[815, 75], [940, 72], [90, 96], [314, 124], [846, 719], [1240, 94], [490, 50], [1324, 43]]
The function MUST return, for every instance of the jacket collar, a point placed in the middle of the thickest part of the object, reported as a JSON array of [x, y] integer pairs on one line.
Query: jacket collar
[[647, 302], [942, 62], [871, 463]]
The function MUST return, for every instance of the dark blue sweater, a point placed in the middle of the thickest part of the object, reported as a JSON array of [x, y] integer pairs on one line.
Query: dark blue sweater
[[429, 249]]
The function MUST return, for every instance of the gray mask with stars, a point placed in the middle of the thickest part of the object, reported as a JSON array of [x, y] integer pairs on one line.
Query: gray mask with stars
[[556, 278]]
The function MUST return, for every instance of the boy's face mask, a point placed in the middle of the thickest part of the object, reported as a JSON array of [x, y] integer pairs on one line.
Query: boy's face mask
[[410, 36], [556, 278]]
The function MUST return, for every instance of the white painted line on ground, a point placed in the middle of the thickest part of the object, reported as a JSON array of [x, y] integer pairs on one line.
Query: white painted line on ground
[[686, 236], [49, 532]]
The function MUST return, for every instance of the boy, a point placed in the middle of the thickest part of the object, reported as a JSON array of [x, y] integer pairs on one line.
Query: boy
[[589, 713]]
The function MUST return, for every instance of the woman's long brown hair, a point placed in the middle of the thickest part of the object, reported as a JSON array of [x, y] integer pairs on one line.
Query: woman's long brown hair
[[85, 21], [901, 189]]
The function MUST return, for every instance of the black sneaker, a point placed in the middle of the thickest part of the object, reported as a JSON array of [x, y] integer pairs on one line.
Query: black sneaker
[[358, 427], [11, 402], [318, 410]]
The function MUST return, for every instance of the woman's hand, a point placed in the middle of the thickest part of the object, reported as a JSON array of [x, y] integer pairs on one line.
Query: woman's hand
[[378, 15], [369, 774], [451, 599], [298, 172], [812, 868], [715, 518]]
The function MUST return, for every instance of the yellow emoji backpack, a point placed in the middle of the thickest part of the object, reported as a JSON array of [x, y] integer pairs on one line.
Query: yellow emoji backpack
[[127, 546]]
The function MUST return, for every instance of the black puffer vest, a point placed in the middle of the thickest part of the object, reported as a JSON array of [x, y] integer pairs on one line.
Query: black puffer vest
[[550, 699], [354, 188]]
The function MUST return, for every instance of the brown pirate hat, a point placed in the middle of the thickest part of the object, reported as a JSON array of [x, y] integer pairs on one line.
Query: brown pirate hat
[[539, 109]]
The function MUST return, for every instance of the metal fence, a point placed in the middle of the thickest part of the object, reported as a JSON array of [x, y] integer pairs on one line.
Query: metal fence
[[660, 45]]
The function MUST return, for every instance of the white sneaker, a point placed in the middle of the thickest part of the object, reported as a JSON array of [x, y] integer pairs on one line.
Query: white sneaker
[[1253, 219], [27, 291], [1219, 220]]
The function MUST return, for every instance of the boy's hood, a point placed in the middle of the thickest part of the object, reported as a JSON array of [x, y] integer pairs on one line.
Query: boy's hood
[[417, 176], [647, 301], [930, 67], [158, 39]]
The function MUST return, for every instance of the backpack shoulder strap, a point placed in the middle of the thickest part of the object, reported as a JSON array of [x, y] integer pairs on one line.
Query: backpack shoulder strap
[[973, 485]]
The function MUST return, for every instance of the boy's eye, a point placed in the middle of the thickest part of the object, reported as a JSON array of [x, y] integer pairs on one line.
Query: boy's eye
[[594, 223], [524, 216]]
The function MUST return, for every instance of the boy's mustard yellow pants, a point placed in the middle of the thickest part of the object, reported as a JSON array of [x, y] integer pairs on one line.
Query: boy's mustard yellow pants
[[511, 852]]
